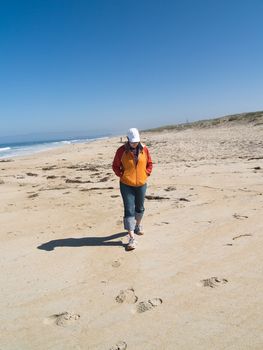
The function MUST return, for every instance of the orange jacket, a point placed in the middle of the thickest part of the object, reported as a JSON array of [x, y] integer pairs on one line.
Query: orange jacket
[[124, 165]]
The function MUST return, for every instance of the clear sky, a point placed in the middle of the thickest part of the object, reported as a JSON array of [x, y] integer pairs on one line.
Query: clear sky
[[106, 65]]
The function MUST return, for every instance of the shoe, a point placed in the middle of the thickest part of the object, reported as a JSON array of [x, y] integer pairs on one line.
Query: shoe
[[138, 230], [132, 244]]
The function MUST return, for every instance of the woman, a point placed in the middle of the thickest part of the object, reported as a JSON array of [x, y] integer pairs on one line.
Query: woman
[[133, 164]]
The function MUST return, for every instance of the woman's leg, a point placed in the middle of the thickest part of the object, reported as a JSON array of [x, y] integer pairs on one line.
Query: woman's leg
[[128, 196], [139, 203]]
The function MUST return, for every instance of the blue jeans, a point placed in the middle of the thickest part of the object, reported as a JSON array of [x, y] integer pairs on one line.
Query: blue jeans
[[133, 201]]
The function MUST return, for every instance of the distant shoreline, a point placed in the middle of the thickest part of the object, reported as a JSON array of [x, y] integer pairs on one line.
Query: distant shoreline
[[12, 149]]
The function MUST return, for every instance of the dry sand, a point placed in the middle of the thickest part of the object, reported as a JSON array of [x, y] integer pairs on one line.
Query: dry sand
[[194, 282]]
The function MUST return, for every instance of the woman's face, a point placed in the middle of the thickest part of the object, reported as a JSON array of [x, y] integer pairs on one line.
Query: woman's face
[[133, 144]]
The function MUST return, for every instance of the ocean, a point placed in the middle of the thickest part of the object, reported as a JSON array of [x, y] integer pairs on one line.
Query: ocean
[[10, 150]]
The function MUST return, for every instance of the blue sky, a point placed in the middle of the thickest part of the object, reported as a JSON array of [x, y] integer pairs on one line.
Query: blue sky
[[104, 66]]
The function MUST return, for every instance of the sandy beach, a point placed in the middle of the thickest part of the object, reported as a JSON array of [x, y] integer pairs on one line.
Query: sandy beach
[[195, 280]]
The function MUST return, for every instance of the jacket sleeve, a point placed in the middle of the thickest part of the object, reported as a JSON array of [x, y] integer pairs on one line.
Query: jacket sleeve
[[117, 165], [149, 165]]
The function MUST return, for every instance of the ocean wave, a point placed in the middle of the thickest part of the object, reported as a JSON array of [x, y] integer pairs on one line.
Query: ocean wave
[[3, 149], [25, 148], [63, 142]]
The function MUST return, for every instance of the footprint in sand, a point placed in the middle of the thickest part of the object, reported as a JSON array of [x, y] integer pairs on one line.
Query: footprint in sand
[[213, 282], [127, 296], [116, 263], [63, 320], [119, 346], [148, 305]]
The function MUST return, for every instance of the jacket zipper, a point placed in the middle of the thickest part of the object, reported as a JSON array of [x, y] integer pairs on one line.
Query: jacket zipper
[[136, 167]]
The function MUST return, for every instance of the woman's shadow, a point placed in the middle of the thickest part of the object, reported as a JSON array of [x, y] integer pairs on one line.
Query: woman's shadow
[[85, 241]]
